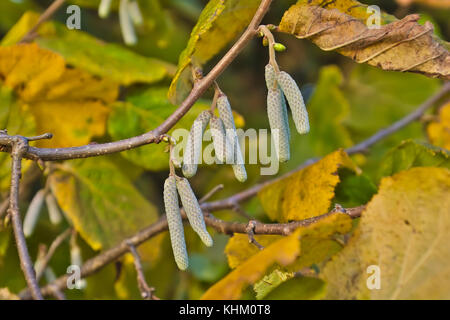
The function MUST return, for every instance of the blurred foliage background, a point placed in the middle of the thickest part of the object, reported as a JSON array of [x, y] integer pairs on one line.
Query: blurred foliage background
[[347, 103]]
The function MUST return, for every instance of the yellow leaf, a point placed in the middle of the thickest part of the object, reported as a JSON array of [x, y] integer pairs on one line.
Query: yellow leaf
[[282, 251], [439, 131], [405, 232], [67, 102], [306, 193], [397, 45]]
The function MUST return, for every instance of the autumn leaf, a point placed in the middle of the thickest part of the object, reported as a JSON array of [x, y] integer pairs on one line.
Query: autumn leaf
[[306, 193], [405, 231], [102, 203], [282, 252], [67, 102], [439, 130], [399, 45], [219, 22]]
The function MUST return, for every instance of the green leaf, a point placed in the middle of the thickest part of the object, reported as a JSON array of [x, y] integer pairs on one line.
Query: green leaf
[[218, 24], [141, 113], [353, 190], [84, 51], [270, 282], [411, 154], [102, 203], [377, 99], [302, 288]]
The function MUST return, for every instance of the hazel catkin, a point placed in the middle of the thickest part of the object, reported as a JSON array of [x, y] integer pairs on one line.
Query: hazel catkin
[[32, 214], [295, 100], [193, 210], [175, 223], [193, 148]]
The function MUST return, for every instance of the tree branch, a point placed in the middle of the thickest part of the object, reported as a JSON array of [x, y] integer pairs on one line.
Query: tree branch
[[155, 136], [18, 148]]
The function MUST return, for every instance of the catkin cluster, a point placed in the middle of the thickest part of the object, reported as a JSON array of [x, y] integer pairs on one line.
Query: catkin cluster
[[129, 16], [282, 86], [224, 136], [172, 187]]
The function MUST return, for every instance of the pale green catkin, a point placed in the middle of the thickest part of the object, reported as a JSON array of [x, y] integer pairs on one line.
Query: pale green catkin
[[277, 124], [126, 24], [193, 148], [104, 8], [271, 83], [135, 12], [175, 223], [222, 147], [295, 100], [32, 214], [53, 210], [226, 114], [193, 211]]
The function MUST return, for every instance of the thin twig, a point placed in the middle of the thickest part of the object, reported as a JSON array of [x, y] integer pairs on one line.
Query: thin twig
[[251, 234], [51, 251], [146, 290], [48, 13], [18, 148], [212, 192]]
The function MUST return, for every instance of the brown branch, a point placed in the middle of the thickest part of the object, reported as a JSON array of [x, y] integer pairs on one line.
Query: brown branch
[[18, 148], [95, 264], [146, 290], [48, 13], [155, 136]]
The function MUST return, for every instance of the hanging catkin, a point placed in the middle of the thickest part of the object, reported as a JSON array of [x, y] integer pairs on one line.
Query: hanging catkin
[[53, 209], [193, 210], [175, 223], [295, 100], [277, 124], [226, 114], [126, 24], [104, 8], [32, 214], [193, 149], [222, 147], [277, 114]]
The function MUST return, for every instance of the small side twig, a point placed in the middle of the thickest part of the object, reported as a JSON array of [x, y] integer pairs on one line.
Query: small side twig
[[146, 290], [51, 251], [212, 192], [251, 234], [48, 13]]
